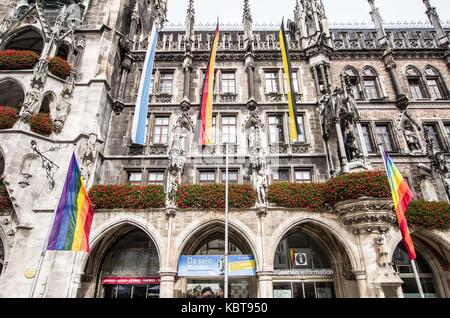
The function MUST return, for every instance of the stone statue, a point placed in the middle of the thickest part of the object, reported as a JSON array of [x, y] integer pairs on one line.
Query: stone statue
[[74, 13], [411, 139], [31, 102], [261, 187], [383, 253], [171, 188], [252, 138], [351, 150]]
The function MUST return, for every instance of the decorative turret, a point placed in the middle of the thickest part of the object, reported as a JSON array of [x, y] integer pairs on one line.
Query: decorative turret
[[312, 23], [190, 22], [247, 21], [378, 22], [437, 24]]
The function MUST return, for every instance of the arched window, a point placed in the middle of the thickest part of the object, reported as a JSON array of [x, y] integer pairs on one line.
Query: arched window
[[63, 51], [435, 83], [27, 39], [371, 85], [11, 93], [47, 102], [415, 83], [353, 80], [403, 267], [303, 256]]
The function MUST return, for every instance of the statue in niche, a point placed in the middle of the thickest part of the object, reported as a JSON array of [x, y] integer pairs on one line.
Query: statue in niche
[[171, 188], [383, 253], [411, 139], [351, 150], [261, 187], [32, 99]]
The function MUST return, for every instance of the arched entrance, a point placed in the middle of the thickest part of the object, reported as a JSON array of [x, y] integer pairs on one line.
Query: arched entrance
[[11, 93], [310, 263], [125, 264], [201, 266], [427, 275], [26, 39]]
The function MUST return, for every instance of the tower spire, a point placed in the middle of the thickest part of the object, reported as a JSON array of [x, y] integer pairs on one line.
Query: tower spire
[[190, 22], [247, 21], [437, 24], [378, 22]]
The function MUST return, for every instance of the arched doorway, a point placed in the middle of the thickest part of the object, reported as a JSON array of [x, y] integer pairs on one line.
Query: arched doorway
[[403, 266], [310, 263], [27, 39], [11, 93], [125, 264], [201, 266], [47, 102]]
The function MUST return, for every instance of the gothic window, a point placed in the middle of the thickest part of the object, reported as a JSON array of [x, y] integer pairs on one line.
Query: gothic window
[[271, 80], [404, 268], [161, 130], [134, 177], [207, 176], [166, 83], [11, 93], [301, 124], [371, 85], [447, 131], [232, 176], [303, 176], [276, 129], [156, 177], [214, 130], [281, 175], [368, 138], [416, 84], [434, 83], [228, 82], [434, 132], [152, 84], [27, 39], [384, 137], [63, 51], [353, 81], [229, 129], [294, 78]]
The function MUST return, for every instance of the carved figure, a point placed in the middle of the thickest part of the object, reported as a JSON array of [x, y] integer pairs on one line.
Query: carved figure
[[261, 187], [171, 188], [350, 147], [411, 139]]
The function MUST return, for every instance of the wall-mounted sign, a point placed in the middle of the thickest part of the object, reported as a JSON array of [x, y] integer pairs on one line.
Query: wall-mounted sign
[[301, 259], [304, 272], [213, 265], [131, 281]]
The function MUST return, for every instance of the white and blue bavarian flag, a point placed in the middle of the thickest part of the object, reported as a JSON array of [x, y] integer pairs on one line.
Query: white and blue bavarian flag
[[141, 110]]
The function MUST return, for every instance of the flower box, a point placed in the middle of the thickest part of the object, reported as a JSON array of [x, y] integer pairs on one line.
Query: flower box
[[8, 117], [17, 60]]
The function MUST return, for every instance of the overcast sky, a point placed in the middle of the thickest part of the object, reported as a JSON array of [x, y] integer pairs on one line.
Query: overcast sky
[[272, 11]]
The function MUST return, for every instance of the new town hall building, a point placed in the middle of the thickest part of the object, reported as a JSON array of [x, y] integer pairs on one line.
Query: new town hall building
[[356, 87]]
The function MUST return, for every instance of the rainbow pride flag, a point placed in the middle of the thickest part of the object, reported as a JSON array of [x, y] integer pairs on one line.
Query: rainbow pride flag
[[73, 217], [402, 196], [205, 114]]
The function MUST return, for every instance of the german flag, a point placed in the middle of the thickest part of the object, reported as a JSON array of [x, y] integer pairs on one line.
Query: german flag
[[205, 114], [294, 128]]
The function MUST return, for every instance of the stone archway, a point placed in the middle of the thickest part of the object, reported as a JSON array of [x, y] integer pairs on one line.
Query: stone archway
[[123, 263], [206, 243], [330, 260], [28, 39], [11, 93]]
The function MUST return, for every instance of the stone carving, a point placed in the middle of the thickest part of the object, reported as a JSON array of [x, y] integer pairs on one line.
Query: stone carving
[[31, 103], [171, 188], [383, 252], [74, 12], [438, 158], [429, 191], [261, 184], [351, 149], [411, 138]]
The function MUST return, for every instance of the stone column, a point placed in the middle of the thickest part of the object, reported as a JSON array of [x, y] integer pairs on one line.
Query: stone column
[[341, 144], [401, 99], [265, 285], [167, 284]]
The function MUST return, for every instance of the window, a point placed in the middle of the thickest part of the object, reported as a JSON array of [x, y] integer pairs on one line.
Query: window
[[228, 129], [156, 177], [214, 130], [271, 82], [152, 84], [447, 131], [415, 83], [301, 124], [146, 130], [434, 132], [353, 82], [294, 77], [207, 176], [368, 138], [134, 177], [434, 83], [228, 83], [384, 137], [161, 130], [370, 84], [303, 176], [282, 175], [166, 83], [276, 130], [233, 176]]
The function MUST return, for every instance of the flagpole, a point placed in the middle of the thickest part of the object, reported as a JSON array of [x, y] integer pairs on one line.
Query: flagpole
[[226, 222], [413, 262], [44, 248]]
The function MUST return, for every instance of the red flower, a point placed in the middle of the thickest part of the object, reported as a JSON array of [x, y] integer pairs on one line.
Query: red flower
[[59, 67], [41, 123], [17, 60], [8, 117]]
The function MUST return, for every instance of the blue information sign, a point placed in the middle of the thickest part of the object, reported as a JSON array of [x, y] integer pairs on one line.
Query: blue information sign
[[213, 265]]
